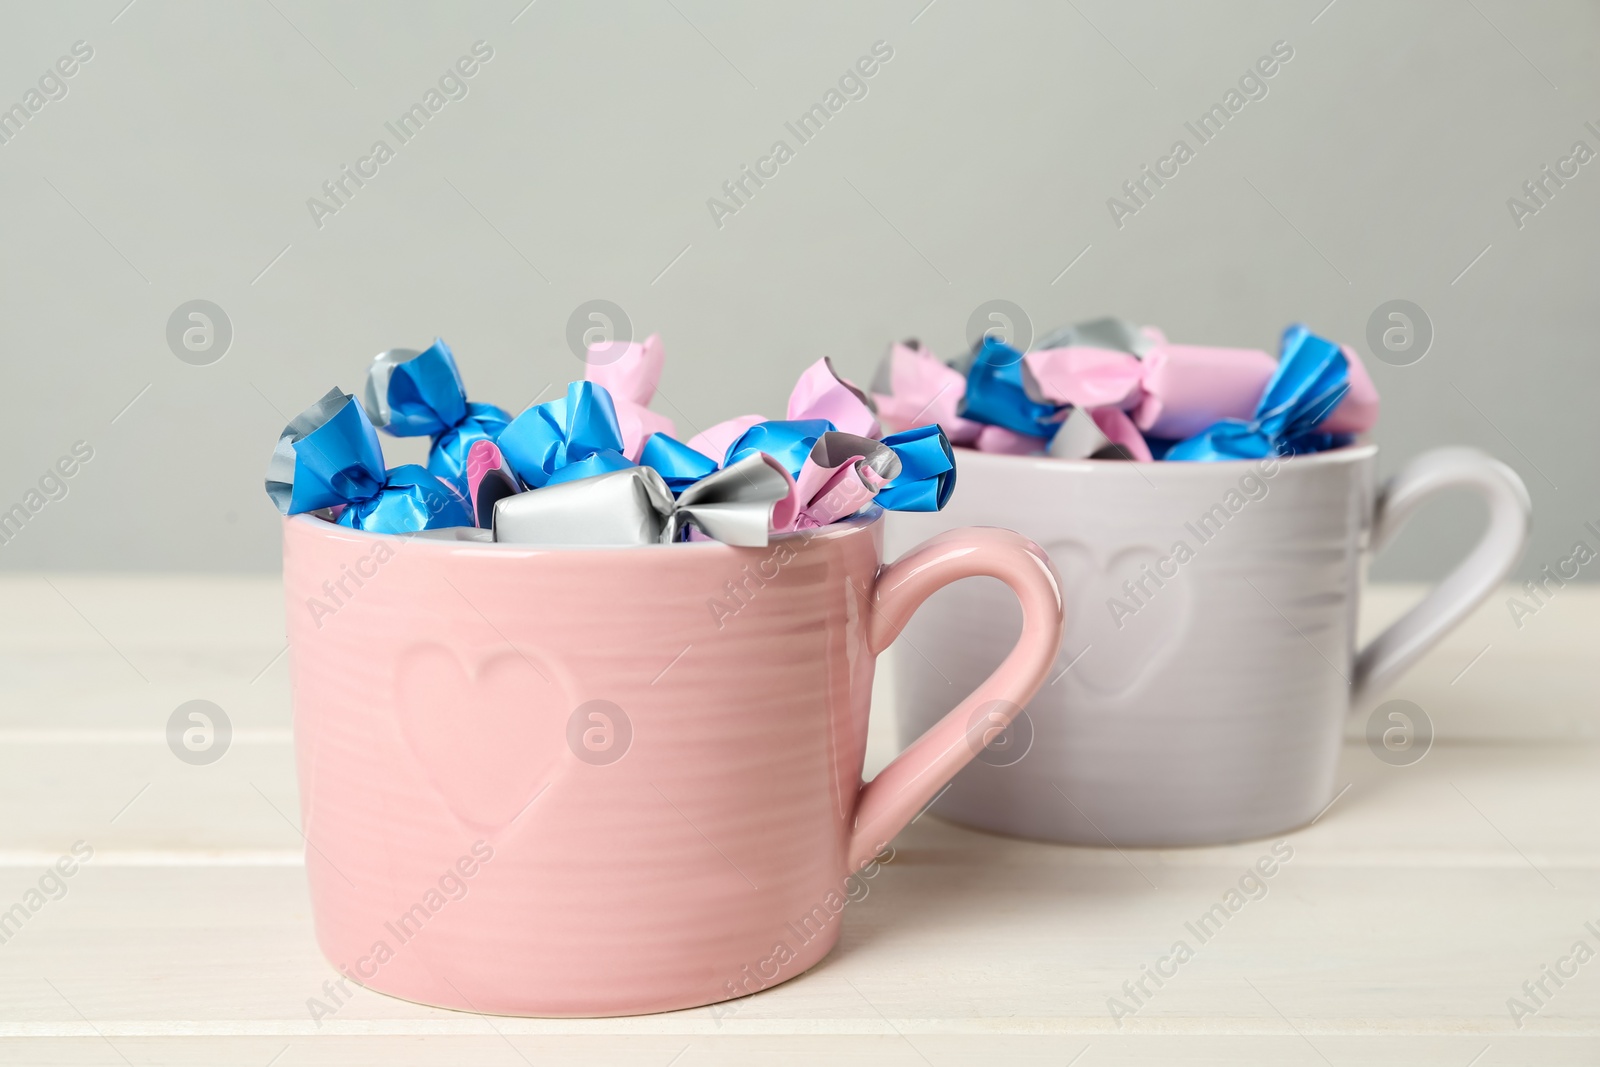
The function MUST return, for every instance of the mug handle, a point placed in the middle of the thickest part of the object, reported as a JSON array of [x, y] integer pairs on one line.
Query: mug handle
[[1391, 653], [892, 799]]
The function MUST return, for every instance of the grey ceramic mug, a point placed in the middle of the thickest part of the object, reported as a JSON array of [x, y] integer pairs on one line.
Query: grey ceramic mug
[[1209, 661]]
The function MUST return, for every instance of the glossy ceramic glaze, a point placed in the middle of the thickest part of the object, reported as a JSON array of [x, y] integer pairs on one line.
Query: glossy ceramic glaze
[[610, 781], [1210, 705]]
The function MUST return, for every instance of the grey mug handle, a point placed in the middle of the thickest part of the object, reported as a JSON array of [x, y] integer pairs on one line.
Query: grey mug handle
[[1389, 655]]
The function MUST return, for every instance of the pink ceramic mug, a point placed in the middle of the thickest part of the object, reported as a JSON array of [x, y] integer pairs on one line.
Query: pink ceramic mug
[[611, 781]]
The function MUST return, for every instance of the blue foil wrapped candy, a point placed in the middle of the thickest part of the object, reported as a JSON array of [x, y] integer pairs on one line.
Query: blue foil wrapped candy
[[563, 440], [328, 457], [1313, 376], [995, 394], [679, 465], [416, 394], [927, 471], [789, 441], [926, 461]]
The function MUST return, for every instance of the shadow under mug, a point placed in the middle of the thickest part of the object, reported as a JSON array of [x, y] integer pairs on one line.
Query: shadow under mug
[[1209, 663], [584, 782]]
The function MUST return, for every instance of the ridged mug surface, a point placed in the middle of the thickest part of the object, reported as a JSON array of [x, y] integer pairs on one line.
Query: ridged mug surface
[[600, 781], [1201, 691]]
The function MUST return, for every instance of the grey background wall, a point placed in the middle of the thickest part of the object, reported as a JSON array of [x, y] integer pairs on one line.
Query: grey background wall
[[578, 166]]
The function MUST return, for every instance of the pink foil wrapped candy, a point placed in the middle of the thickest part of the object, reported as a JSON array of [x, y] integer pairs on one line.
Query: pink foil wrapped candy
[[489, 478], [1176, 390], [1083, 377], [1121, 432], [913, 387], [1358, 411], [630, 371], [1009, 442], [1188, 387], [1115, 389], [842, 475], [821, 394]]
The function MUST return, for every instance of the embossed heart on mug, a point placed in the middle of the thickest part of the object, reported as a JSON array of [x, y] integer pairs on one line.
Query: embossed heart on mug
[[1129, 616], [487, 739]]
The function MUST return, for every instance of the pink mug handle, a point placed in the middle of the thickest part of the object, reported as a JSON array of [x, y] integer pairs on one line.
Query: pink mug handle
[[905, 786]]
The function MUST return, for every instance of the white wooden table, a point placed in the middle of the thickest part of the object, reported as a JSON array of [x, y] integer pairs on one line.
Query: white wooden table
[[1411, 911]]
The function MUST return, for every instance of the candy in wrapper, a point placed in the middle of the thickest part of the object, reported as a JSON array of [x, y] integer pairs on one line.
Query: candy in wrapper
[[719, 438], [1100, 433], [909, 471], [1189, 387], [624, 507], [1007, 442], [913, 386], [1173, 392], [787, 441], [732, 504], [927, 474], [996, 395], [328, 457], [567, 439], [1094, 370], [414, 394], [737, 505], [1102, 389], [1358, 411], [679, 465], [841, 476], [489, 479], [1080, 437], [630, 372], [1315, 441], [597, 466], [1312, 379], [821, 394], [1082, 377]]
